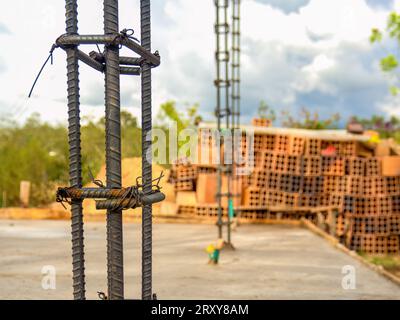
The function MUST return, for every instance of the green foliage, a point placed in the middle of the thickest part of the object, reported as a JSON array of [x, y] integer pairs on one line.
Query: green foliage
[[387, 128], [169, 114], [38, 152], [308, 120], [266, 112], [376, 36], [390, 63]]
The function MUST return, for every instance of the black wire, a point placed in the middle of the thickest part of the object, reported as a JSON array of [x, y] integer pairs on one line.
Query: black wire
[[50, 57]]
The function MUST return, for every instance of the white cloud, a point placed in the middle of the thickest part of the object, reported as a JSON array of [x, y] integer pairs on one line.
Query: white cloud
[[294, 53]]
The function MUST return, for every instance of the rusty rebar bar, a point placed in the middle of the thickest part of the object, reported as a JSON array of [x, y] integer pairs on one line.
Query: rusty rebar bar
[[111, 39], [74, 139], [147, 215], [115, 269]]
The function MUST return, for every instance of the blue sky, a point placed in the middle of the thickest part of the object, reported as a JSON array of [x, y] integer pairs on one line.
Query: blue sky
[[296, 53]]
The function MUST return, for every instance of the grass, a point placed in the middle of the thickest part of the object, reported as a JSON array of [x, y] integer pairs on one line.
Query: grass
[[390, 263]]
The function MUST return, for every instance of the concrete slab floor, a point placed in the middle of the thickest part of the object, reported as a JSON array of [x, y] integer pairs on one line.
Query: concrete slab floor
[[270, 262]]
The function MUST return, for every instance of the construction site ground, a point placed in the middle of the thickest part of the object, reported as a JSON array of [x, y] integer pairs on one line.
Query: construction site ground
[[270, 262]]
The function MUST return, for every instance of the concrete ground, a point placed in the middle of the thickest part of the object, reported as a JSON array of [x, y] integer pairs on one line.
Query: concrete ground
[[271, 262]]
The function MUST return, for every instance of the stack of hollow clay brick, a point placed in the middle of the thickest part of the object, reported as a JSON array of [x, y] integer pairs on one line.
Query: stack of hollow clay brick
[[295, 174]]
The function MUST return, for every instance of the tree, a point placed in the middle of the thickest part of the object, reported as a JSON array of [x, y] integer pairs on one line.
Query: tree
[[390, 63], [169, 113], [265, 111], [308, 120], [38, 152], [387, 128]]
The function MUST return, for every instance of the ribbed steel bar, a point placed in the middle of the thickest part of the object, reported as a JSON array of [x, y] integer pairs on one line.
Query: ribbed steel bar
[[235, 89], [90, 61], [110, 194], [223, 110], [235, 63], [130, 61], [147, 215], [112, 38], [218, 112], [75, 170], [227, 113], [130, 71], [115, 270], [130, 203]]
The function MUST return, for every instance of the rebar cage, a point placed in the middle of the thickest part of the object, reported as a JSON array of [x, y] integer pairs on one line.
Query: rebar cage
[[114, 197]]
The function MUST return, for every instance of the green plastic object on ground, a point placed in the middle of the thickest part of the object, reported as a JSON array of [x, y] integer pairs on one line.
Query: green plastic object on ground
[[231, 211]]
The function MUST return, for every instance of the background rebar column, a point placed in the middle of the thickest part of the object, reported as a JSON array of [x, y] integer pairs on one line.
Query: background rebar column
[[74, 137], [146, 154], [115, 271], [223, 110]]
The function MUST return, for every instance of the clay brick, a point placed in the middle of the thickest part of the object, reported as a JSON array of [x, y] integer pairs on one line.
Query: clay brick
[[275, 198], [371, 206], [393, 245], [274, 181], [282, 143], [261, 177], [333, 166], [290, 199], [394, 225], [269, 142], [368, 244], [382, 225], [296, 145], [381, 245], [310, 166], [251, 197], [269, 162], [341, 184], [373, 167], [258, 142], [293, 164], [330, 184], [355, 185], [280, 163], [309, 200], [313, 147], [261, 122], [395, 201], [348, 148], [336, 200], [392, 185], [206, 188], [369, 224], [355, 166], [356, 242], [184, 185], [391, 166], [312, 185], [385, 205], [186, 172]]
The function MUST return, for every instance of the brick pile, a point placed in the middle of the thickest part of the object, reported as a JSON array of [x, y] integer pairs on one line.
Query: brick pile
[[297, 173]]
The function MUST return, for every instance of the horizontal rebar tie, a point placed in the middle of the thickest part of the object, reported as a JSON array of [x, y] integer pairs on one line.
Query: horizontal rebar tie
[[124, 198]]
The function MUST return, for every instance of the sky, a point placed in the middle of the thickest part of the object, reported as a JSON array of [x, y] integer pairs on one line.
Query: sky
[[295, 54]]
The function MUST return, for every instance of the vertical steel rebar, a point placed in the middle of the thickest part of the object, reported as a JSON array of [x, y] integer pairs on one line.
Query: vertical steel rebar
[[223, 109], [147, 218], [235, 88], [218, 112], [74, 139], [235, 64], [115, 270], [227, 114]]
